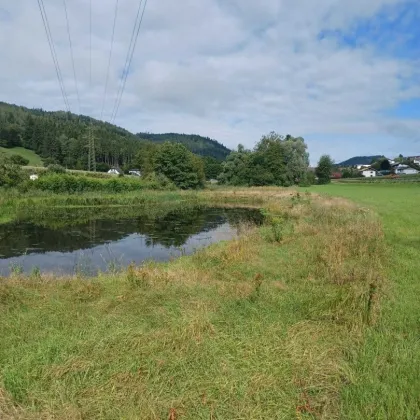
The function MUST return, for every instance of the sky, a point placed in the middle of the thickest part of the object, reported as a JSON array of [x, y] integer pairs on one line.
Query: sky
[[343, 74]]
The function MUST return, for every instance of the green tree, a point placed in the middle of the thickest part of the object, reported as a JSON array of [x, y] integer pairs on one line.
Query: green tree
[[235, 170], [385, 165], [19, 160], [324, 169], [212, 167], [275, 160], [179, 165], [11, 174]]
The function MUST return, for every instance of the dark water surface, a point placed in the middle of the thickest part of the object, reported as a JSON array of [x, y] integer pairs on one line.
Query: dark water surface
[[68, 243]]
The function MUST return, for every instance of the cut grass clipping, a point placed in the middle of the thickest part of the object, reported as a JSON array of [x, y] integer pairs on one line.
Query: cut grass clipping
[[260, 327]]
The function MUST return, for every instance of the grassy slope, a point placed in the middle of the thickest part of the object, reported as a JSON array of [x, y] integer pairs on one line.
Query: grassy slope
[[387, 384], [34, 159], [256, 328]]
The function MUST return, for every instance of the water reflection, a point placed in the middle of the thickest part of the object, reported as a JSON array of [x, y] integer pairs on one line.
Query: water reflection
[[85, 240]]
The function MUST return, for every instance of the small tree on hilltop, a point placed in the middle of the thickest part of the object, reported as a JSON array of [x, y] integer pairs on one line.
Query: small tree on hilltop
[[324, 169]]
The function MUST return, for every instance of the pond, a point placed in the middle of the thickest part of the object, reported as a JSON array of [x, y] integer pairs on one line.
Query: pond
[[86, 241]]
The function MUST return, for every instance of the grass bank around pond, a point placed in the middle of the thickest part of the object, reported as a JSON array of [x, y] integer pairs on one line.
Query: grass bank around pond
[[40, 204], [13, 204], [260, 327], [386, 368]]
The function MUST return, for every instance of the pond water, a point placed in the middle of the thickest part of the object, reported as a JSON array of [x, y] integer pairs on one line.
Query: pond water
[[88, 240]]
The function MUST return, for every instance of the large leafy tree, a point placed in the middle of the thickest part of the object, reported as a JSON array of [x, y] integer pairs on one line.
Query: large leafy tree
[[275, 160], [324, 169], [179, 165], [235, 170], [212, 167]]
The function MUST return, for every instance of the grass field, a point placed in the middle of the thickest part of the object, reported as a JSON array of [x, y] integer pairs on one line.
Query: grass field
[[34, 159], [315, 315], [387, 367], [255, 328]]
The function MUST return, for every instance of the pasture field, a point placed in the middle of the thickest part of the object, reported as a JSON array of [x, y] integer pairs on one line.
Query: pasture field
[[387, 367], [34, 159]]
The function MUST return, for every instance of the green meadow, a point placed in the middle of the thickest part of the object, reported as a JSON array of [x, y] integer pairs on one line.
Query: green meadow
[[386, 368], [313, 315], [34, 159]]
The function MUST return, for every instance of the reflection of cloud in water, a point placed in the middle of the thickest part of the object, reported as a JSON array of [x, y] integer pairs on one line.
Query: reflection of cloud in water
[[166, 238]]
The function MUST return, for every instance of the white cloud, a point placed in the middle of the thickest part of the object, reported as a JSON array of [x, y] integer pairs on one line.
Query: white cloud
[[232, 70]]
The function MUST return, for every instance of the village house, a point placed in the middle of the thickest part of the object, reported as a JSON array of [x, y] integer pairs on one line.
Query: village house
[[368, 172], [415, 159], [405, 170]]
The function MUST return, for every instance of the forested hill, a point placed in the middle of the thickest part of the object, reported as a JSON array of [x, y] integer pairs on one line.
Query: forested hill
[[360, 160], [203, 146], [63, 137]]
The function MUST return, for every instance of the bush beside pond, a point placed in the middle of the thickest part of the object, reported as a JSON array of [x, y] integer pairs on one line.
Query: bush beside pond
[[70, 184]]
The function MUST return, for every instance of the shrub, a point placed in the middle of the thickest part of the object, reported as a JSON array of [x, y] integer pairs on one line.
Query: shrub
[[71, 184], [11, 175], [159, 181], [19, 160], [56, 169]]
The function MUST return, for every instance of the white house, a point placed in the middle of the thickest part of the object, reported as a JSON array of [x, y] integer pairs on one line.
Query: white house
[[368, 172], [415, 159], [363, 166], [405, 170], [115, 171], [135, 172], [33, 177]]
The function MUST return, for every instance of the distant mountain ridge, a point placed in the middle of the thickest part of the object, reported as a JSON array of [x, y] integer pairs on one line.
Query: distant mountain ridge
[[203, 146], [359, 160]]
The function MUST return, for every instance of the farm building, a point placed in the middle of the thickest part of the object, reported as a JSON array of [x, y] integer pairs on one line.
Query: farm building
[[115, 171]]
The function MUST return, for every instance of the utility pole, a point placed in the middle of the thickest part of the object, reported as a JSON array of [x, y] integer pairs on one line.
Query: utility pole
[[91, 149], [92, 155]]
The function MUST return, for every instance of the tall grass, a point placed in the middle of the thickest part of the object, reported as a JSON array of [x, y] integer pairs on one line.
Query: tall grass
[[385, 383], [250, 328]]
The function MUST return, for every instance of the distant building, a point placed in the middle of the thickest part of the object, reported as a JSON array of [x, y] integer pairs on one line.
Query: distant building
[[134, 172], [414, 159], [363, 166], [368, 172], [115, 171], [405, 170], [213, 181], [33, 177]]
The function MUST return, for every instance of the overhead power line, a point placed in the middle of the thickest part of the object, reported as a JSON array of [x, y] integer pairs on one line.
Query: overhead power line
[[90, 42], [53, 53], [110, 58], [71, 52], [129, 58]]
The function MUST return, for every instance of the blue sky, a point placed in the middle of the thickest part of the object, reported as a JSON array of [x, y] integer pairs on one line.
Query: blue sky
[[344, 74]]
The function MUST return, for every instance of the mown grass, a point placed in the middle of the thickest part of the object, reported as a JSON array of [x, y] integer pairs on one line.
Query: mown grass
[[261, 327], [386, 384], [400, 179], [34, 159]]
